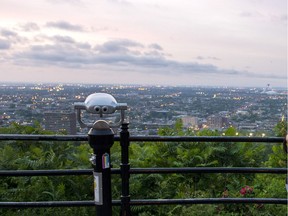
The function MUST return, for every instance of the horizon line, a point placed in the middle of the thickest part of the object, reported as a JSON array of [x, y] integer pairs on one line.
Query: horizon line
[[133, 84]]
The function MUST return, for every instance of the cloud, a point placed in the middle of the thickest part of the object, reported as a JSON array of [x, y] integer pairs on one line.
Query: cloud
[[4, 44], [71, 41], [267, 17], [29, 27], [64, 39], [207, 58], [65, 26], [122, 54], [118, 46], [8, 33], [10, 37], [155, 46], [64, 56]]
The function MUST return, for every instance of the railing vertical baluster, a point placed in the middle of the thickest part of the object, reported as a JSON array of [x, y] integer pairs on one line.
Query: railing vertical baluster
[[125, 169]]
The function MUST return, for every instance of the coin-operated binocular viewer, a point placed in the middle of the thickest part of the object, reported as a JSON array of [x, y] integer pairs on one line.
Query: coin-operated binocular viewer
[[101, 138]]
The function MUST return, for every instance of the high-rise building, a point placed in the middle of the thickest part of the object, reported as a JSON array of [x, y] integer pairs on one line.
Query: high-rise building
[[190, 121], [217, 122], [60, 122]]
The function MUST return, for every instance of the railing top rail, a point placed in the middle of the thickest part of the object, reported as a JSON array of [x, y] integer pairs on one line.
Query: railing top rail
[[32, 137], [205, 139], [161, 170], [28, 137]]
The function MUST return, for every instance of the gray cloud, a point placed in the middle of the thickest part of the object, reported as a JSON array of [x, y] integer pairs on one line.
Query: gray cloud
[[207, 58], [65, 26], [29, 27], [4, 44], [277, 18], [66, 52], [8, 33], [57, 55], [11, 37], [71, 41], [155, 46], [118, 46], [63, 39]]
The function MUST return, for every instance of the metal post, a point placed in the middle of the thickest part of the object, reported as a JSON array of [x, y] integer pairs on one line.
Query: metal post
[[101, 138], [125, 170]]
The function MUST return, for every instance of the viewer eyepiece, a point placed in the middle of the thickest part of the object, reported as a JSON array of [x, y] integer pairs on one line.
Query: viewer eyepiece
[[99, 103]]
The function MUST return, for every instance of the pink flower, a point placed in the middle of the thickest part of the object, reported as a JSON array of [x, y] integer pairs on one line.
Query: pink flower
[[246, 190]]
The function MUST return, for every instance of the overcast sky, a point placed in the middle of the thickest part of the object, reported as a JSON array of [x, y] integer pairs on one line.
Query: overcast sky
[[169, 42]]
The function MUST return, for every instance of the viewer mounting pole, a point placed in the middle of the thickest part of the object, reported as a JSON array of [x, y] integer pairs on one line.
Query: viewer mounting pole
[[125, 170], [101, 139]]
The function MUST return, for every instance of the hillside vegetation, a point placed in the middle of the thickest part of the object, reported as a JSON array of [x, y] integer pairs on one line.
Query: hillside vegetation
[[35, 155]]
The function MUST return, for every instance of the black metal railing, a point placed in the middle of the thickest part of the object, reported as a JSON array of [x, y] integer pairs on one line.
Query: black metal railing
[[125, 171]]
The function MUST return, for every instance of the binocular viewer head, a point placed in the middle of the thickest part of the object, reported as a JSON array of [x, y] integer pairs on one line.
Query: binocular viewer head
[[99, 103]]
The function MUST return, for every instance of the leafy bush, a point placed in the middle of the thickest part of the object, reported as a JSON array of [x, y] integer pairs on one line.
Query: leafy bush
[[23, 155]]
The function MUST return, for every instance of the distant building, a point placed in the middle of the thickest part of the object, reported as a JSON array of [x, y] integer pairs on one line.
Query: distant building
[[268, 90], [60, 122], [248, 126], [164, 114], [217, 122], [189, 121]]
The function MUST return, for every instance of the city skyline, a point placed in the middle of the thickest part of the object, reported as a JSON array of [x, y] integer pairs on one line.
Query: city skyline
[[199, 107], [198, 43]]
